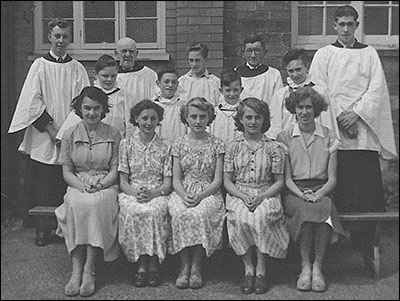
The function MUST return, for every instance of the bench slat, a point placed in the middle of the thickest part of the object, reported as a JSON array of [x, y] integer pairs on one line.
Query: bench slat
[[43, 210], [369, 216]]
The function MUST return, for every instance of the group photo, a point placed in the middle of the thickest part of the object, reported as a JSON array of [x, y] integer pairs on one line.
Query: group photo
[[200, 150]]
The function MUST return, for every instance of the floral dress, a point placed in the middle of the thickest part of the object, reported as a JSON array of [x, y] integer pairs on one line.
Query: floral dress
[[253, 170], [90, 218], [200, 225], [144, 227]]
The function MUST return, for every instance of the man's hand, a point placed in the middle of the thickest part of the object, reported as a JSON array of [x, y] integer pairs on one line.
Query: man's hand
[[348, 119], [52, 129]]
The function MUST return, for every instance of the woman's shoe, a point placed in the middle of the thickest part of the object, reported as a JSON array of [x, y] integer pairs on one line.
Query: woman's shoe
[[87, 287], [318, 283], [73, 285], [247, 286], [140, 279], [195, 280], [153, 279], [304, 282], [182, 281], [261, 285]]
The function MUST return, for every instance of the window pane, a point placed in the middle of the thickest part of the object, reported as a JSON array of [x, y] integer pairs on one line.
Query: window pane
[[330, 11], [57, 9], [310, 21], [46, 31], [376, 2], [141, 8], [338, 2], [395, 21], [142, 31], [99, 31], [375, 20], [99, 9]]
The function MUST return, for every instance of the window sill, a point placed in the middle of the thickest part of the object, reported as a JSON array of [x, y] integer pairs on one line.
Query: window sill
[[93, 55]]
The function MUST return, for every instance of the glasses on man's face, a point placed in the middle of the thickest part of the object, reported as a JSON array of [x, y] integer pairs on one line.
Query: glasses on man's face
[[249, 51]]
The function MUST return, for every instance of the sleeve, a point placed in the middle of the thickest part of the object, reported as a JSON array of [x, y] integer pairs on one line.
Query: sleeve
[[168, 163], [333, 143], [123, 160], [72, 119], [278, 159], [220, 146], [281, 139], [229, 157], [65, 150], [30, 105], [41, 123], [115, 147]]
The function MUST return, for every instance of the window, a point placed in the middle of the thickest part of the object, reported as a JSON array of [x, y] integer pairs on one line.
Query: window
[[312, 23], [97, 25]]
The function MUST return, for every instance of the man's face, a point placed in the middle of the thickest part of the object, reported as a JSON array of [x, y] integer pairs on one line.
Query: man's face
[[126, 54], [254, 53], [346, 28], [60, 39]]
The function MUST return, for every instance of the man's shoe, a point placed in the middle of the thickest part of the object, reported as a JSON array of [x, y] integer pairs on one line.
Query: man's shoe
[[261, 285], [42, 238], [140, 279], [247, 286], [153, 279]]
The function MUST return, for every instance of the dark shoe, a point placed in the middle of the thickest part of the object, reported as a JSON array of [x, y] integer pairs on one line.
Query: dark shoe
[[153, 279], [140, 279], [247, 286], [42, 238], [261, 285]]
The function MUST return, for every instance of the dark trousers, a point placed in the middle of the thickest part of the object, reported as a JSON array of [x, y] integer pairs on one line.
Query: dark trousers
[[47, 188], [359, 189]]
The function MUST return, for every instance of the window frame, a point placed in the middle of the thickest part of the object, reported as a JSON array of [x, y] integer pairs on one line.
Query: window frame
[[381, 42], [85, 51]]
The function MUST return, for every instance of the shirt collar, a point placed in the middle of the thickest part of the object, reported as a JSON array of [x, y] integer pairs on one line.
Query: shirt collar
[[345, 46], [108, 92], [151, 147], [317, 132], [306, 82], [102, 134], [55, 56], [252, 67], [206, 74], [169, 101]]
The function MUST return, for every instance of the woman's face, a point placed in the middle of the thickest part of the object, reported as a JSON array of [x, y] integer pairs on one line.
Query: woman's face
[[252, 121], [91, 111], [147, 121], [197, 119], [305, 112]]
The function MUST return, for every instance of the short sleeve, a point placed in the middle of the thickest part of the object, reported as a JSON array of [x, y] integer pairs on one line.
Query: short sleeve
[[123, 161], [278, 159], [65, 151], [168, 163], [220, 147], [115, 147], [281, 139], [334, 142], [229, 157]]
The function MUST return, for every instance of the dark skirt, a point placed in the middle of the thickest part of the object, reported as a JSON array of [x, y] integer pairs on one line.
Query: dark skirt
[[297, 211]]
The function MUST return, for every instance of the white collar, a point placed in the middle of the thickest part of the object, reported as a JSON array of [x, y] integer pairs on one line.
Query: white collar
[[55, 56], [253, 68], [317, 132]]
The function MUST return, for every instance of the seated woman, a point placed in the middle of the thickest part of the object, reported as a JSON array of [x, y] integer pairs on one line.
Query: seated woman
[[88, 217], [196, 206], [253, 177], [310, 177], [145, 181]]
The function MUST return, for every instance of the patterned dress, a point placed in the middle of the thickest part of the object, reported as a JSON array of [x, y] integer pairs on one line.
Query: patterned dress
[[253, 170], [200, 225], [144, 227], [90, 218]]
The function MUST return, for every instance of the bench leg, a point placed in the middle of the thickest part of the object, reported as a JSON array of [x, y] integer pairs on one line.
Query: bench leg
[[377, 255]]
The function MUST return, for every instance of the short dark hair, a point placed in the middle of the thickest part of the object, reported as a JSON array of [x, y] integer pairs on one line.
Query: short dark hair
[[93, 93], [345, 11], [57, 22], [229, 76], [145, 104], [259, 107], [295, 54], [166, 69], [105, 61], [253, 39], [200, 103], [196, 46], [302, 93]]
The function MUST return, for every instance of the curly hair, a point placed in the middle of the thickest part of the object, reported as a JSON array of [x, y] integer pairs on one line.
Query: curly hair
[[200, 103], [303, 93], [93, 93], [259, 106], [145, 104]]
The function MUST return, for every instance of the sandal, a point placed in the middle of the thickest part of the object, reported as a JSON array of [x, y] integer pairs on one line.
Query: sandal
[[318, 283], [182, 281], [72, 287], [87, 287], [304, 282]]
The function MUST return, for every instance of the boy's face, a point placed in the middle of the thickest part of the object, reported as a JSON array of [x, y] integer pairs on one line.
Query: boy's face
[[107, 77], [232, 92], [346, 29], [254, 53], [60, 39], [297, 71], [197, 62], [168, 85]]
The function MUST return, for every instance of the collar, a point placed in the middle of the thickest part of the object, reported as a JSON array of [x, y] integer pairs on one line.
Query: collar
[[103, 134], [108, 92], [354, 45], [293, 87], [53, 59], [317, 132], [57, 57], [206, 74], [245, 71], [151, 147], [252, 67], [224, 106], [167, 101], [136, 67]]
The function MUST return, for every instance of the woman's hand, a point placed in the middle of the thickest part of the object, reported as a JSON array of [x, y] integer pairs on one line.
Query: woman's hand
[[192, 200], [143, 195], [312, 197]]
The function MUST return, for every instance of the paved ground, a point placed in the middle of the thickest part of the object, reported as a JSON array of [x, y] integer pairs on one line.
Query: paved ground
[[29, 272]]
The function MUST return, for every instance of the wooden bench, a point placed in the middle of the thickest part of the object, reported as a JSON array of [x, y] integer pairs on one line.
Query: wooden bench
[[46, 214], [353, 219]]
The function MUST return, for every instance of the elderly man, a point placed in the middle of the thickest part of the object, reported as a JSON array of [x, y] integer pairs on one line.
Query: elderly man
[[43, 105]]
